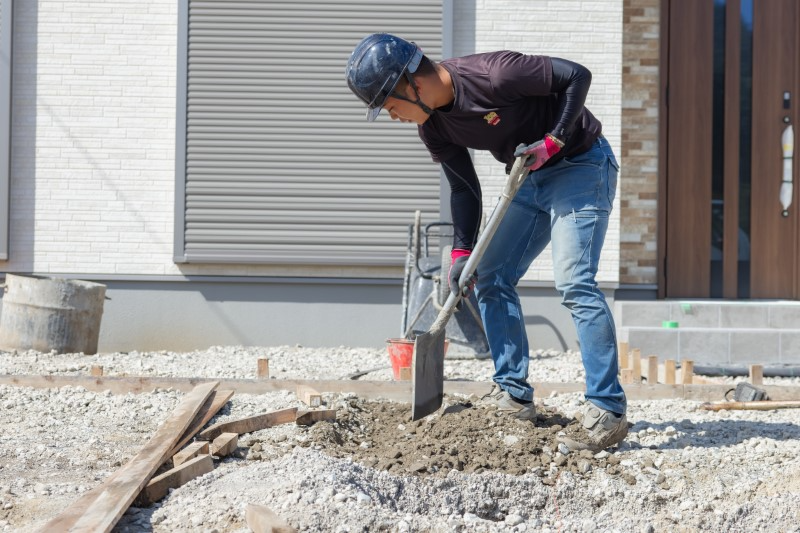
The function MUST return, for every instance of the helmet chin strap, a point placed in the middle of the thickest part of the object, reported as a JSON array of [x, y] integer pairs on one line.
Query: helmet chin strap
[[418, 101]]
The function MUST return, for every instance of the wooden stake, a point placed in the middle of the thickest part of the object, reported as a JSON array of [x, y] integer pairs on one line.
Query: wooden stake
[[96, 370], [405, 373], [623, 356], [263, 368], [652, 369], [308, 396], [196, 448], [757, 374], [225, 444], [636, 364], [627, 376], [669, 371], [687, 371]]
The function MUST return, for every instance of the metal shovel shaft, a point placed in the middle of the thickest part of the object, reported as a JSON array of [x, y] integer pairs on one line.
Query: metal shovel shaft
[[428, 359]]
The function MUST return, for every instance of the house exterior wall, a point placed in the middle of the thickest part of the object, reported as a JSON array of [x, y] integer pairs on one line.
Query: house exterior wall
[[640, 100], [93, 174], [92, 164]]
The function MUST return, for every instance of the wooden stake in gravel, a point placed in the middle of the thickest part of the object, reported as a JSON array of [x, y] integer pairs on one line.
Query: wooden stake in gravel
[[626, 376], [100, 508], [757, 374], [652, 369], [261, 519], [623, 356], [96, 371], [263, 368], [669, 371], [687, 371], [636, 363]]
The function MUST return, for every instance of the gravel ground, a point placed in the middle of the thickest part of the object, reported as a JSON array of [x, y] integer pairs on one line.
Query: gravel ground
[[681, 469]]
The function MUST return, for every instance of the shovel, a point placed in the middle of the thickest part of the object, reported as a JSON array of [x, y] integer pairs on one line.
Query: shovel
[[428, 359]]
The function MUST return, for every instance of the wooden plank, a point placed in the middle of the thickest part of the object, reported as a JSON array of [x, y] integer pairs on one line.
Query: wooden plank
[[194, 449], [623, 355], [96, 371], [212, 406], [757, 374], [309, 395], [159, 486], [652, 369], [389, 390], [669, 371], [263, 368], [405, 373], [261, 519], [225, 444], [306, 418], [250, 423], [100, 508]]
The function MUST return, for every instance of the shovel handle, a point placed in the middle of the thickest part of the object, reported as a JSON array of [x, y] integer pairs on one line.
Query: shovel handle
[[515, 179]]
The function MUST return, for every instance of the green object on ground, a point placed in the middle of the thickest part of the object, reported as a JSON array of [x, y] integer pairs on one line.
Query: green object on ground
[[669, 324]]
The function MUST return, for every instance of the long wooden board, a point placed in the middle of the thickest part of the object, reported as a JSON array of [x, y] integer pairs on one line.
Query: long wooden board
[[212, 406], [100, 508], [249, 424], [390, 390]]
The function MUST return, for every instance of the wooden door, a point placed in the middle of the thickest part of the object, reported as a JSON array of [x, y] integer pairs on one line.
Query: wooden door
[[731, 84], [774, 233]]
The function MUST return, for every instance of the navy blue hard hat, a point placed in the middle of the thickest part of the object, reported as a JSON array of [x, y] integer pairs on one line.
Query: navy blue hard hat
[[375, 67]]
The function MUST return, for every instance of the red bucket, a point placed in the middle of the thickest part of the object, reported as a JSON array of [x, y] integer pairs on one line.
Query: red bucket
[[401, 353]]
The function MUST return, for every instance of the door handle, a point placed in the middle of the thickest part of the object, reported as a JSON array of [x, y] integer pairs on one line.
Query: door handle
[[787, 140]]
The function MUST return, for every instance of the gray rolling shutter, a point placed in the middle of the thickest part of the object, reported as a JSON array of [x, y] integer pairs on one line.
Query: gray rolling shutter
[[6, 8], [280, 164]]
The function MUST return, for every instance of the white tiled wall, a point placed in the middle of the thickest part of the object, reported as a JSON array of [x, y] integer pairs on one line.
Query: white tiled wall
[[585, 31]]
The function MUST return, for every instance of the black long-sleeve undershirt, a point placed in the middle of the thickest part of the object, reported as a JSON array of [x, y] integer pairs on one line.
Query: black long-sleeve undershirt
[[571, 83]]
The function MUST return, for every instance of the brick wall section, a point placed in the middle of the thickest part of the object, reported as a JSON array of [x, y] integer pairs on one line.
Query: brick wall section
[[639, 183], [586, 31]]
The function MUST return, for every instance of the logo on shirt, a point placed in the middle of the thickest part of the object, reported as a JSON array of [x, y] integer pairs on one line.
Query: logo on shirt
[[492, 118]]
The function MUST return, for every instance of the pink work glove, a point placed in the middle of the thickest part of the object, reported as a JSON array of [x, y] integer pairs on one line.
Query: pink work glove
[[539, 152], [459, 258]]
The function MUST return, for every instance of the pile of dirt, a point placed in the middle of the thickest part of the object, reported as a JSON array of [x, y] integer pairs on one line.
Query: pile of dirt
[[461, 436]]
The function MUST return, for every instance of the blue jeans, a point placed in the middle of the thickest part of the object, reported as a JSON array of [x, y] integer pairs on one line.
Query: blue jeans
[[567, 204]]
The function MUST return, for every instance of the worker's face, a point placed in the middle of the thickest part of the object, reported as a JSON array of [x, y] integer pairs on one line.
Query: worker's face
[[403, 110]]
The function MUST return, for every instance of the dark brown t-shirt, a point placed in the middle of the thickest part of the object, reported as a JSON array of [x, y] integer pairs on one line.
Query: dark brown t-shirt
[[502, 99]]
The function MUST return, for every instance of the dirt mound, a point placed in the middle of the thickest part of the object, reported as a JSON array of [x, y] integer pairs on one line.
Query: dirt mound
[[461, 436]]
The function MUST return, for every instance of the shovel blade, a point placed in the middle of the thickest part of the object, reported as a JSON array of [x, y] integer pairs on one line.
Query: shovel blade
[[428, 378]]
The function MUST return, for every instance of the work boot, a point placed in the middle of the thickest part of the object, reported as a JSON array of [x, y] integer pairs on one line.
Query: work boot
[[507, 404], [599, 429]]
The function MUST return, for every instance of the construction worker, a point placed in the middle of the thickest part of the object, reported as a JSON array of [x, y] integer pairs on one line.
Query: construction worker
[[513, 105]]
